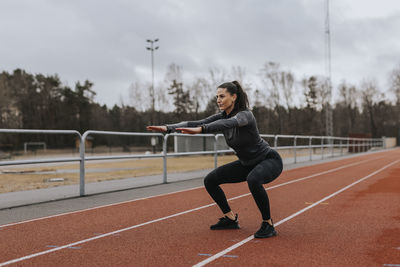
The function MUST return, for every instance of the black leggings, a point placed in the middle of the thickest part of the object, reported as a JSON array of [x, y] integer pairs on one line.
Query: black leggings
[[256, 175]]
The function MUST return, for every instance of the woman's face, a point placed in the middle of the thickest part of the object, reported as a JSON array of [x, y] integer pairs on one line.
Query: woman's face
[[225, 100]]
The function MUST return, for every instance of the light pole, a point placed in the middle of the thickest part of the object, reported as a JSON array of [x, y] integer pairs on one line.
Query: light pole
[[328, 70], [152, 94]]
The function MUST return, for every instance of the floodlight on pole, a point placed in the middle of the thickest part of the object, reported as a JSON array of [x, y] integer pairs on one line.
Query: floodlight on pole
[[152, 93]]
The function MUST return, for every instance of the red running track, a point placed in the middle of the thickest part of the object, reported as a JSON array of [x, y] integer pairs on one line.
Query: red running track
[[341, 213]]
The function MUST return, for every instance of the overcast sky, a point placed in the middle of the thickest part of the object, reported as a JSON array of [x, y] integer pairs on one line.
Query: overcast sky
[[104, 41]]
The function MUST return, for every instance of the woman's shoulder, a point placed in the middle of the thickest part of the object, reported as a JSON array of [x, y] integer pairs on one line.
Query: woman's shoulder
[[245, 117], [246, 113]]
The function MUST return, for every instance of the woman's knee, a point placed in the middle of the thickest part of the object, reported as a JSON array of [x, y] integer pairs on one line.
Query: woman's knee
[[268, 171], [210, 179], [254, 181]]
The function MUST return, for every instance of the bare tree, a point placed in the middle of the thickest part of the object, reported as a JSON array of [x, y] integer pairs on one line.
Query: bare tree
[[258, 98], [395, 88], [182, 101], [348, 99], [287, 85], [4, 99], [174, 72], [138, 96], [217, 76], [316, 90], [9, 114], [395, 83], [272, 78], [201, 93], [313, 119], [238, 74], [163, 100], [310, 92], [370, 96]]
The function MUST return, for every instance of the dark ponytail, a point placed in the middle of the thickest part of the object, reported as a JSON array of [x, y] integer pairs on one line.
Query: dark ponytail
[[242, 102]]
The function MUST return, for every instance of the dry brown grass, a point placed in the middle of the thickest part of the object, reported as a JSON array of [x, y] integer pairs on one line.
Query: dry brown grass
[[29, 178]]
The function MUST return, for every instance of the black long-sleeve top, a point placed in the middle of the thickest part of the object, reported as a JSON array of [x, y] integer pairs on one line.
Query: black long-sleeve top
[[240, 132]]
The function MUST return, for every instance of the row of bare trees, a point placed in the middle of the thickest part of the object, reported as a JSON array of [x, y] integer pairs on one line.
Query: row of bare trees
[[281, 103]]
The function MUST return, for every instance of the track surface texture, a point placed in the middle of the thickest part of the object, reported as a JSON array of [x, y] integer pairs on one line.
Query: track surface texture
[[341, 213]]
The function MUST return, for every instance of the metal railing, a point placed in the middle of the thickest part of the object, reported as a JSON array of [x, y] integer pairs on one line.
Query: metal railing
[[83, 158], [22, 162], [357, 144]]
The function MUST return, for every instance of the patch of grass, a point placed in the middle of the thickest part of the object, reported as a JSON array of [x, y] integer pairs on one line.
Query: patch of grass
[[27, 178]]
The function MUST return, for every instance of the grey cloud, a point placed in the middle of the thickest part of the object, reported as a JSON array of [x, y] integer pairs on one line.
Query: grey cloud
[[104, 41]]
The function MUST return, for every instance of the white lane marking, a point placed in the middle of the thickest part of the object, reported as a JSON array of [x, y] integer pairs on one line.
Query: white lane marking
[[306, 177], [100, 236], [152, 221], [244, 241], [175, 192], [98, 207]]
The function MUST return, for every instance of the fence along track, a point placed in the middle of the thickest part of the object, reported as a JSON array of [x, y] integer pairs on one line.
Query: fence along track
[[326, 143]]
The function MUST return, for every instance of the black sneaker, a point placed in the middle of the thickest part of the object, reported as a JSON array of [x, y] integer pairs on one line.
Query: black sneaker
[[226, 223], [266, 230]]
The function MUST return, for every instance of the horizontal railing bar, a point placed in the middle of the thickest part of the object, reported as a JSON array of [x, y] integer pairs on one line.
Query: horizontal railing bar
[[26, 162], [122, 133], [124, 157], [194, 135], [267, 135], [39, 131], [284, 147], [155, 155], [190, 153]]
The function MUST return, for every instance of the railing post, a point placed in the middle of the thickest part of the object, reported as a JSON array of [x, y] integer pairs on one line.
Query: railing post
[[82, 164], [276, 142], [333, 146], [341, 148], [165, 158], [348, 145], [322, 147], [310, 147], [295, 150]]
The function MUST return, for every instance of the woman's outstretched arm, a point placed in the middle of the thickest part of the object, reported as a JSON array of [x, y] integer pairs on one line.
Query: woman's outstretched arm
[[190, 130], [193, 124], [156, 128]]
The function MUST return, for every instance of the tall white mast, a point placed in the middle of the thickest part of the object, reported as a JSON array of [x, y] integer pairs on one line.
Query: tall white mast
[[328, 72]]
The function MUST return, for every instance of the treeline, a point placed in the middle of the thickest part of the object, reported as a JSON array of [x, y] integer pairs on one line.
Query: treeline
[[37, 101]]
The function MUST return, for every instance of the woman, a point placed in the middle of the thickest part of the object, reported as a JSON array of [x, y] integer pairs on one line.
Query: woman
[[258, 163]]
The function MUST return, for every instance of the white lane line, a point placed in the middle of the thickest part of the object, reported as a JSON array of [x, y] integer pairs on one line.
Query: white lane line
[[244, 241], [159, 219], [99, 207], [100, 236], [175, 192], [306, 177]]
